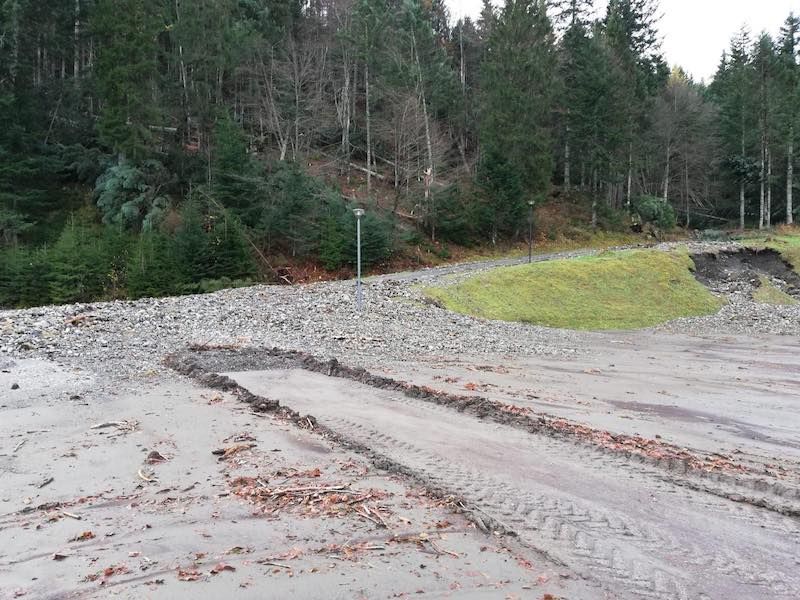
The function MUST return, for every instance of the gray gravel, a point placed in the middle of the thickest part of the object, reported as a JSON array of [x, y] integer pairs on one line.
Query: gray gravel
[[129, 338]]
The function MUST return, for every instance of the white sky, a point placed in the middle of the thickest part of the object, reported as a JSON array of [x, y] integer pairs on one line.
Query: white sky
[[695, 32]]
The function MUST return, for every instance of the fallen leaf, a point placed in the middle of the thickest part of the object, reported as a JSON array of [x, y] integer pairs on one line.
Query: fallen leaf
[[58, 556], [220, 567], [188, 574], [155, 457], [86, 535]]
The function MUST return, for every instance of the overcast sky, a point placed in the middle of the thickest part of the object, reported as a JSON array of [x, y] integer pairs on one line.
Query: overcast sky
[[695, 32]]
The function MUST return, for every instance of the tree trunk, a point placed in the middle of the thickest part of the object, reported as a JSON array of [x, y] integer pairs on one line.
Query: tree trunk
[[761, 191], [742, 182], [345, 112], [768, 207], [741, 205], [594, 199], [630, 177], [13, 67], [790, 177], [430, 172], [76, 62], [666, 174], [583, 176], [566, 161], [296, 85], [369, 133], [686, 189]]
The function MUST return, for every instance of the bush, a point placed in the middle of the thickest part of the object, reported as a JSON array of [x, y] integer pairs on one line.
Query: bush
[[461, 217], [656, 211], [210, 244], [152, 267], [337, 243], [130, 195], [24, 278]]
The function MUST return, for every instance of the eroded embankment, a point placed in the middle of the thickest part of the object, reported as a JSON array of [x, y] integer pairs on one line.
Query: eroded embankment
[[742, 270], [715, 474]]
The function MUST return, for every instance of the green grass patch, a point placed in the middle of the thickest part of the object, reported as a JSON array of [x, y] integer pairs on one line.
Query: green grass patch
[[768, 293], [615, 290]]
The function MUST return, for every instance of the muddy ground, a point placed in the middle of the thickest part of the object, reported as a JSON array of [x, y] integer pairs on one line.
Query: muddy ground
[[122, 496], [404, 455]]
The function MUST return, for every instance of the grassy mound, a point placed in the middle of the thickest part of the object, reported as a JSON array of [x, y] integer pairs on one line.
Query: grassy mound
[[619, 290], [767, 293]]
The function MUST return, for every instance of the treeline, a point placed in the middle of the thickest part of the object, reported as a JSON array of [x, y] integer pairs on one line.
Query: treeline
[[127, 124]]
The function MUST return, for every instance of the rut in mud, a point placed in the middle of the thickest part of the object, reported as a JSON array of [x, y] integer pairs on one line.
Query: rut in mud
[[741, 271], [623, 523]]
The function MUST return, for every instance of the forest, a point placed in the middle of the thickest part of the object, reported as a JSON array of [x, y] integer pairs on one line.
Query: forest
[[154, 147]]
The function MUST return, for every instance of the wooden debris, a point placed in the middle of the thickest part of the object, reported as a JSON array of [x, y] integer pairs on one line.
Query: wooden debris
[[145, 477], [122, 426]]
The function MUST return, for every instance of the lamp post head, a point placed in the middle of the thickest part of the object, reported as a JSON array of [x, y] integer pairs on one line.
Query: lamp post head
[[358, 212], [531, 203]]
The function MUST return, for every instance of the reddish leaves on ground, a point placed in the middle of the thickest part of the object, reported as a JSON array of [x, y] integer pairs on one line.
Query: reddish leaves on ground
[[190, 574], [515, 410], [86, 535], [220, 567], [107, 572], [651, 448], [309, 498]]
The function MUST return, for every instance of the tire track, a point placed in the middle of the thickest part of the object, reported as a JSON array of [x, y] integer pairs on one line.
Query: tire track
[[683, 487], [615, 549], [673, 553]]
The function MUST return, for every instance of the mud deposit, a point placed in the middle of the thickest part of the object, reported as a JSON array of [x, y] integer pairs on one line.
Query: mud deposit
[[633, 525], [739, 271]]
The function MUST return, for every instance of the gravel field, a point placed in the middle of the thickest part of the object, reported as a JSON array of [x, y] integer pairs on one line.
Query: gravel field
[[127, 338]]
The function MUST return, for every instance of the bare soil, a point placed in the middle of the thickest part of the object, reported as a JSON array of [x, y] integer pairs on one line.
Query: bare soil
[[142, 507], [739, 270]]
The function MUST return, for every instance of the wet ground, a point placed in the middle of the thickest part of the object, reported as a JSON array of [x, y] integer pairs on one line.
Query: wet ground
[[121, 496], [630, 530]]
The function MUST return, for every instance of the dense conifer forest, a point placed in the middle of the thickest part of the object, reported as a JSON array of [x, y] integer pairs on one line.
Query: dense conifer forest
[[152, 147]]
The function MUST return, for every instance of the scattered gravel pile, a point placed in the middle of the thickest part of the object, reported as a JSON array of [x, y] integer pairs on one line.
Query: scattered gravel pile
[[129, 338], [319, 319], [736, 278], [741, 316]]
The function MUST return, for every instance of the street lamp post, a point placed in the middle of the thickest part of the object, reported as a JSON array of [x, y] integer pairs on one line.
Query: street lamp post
[[530, 231], [358, 212]]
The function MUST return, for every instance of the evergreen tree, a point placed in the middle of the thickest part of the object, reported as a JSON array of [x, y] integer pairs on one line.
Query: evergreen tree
[[516, 86], [733, 90], [127, 35], [82, 266], [152, 269], [788, 102]]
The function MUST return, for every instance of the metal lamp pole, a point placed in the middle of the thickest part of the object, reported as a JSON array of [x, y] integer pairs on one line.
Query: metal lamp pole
[[530, 231], [358, 212]]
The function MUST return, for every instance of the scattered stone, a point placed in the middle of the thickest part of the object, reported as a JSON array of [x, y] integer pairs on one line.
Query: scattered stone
[[131, 338]]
